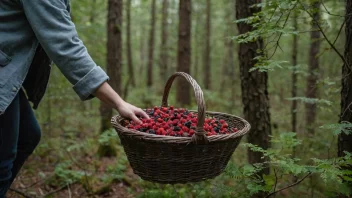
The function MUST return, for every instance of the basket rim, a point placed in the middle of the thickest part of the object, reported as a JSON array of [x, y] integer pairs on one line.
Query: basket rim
[[171, 139]]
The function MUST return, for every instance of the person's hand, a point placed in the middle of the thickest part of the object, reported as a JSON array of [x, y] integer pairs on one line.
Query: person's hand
[[106, 94], [127, 110]]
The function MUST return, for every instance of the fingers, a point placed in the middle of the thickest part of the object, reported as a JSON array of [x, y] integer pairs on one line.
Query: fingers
[[141, 113], [134, 118]]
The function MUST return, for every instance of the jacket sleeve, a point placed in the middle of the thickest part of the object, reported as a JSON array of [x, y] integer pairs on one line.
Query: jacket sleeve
[[54, 29]]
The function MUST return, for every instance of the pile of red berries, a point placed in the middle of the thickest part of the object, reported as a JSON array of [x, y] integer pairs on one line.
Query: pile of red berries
[[180, 122]]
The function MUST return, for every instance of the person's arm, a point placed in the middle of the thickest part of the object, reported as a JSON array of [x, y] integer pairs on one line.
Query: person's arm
[[54, 29]]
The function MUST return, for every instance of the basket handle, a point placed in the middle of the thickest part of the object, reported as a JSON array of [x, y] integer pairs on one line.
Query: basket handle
[[199, 136]]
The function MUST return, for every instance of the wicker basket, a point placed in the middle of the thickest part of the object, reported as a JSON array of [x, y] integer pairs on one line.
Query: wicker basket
[[168, 159]]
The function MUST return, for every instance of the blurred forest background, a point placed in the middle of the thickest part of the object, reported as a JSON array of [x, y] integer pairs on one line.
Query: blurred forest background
[[295, 50]]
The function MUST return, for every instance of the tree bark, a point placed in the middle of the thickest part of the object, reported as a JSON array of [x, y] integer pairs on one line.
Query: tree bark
[[151, 47], [114, 58], [184, 51], [294, 75], [207, 59], [254, 87], [128, 43], [164, 48], [312, 90], [344, 140]]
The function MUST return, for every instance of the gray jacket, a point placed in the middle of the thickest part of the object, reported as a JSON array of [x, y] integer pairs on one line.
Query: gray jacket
[[32, 33]]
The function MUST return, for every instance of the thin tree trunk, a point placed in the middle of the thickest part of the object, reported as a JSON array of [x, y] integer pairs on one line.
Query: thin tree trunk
[[233, 65], [294, 76], [312, 91], [254, 87], [344, 140], [151, 47], [196, 36], [228, 58], [128, 43], [114, 57], [207, 59], [164, 49], [184, 51], [142, 45]]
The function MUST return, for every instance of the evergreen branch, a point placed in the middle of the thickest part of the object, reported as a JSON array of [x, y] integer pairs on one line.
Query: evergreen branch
[[289, 186]]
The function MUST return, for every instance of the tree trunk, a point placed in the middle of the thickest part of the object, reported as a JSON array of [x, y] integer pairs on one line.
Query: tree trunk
[[114, 57], [143, 55], [312, 90], [228, 69], [198, 43], [207, 59], [151, 47], [128, 43], [164, 49], [294, 75], [184, 51], [254, 87], [344, 140]]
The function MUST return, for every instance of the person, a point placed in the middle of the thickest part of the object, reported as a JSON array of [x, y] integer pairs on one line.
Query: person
[[32, 33]]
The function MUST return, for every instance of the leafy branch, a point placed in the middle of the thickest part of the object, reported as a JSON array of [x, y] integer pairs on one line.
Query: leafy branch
[[324, 35], [289, 186]]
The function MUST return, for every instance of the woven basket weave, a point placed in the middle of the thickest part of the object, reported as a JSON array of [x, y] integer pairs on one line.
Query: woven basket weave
[[168, 159]]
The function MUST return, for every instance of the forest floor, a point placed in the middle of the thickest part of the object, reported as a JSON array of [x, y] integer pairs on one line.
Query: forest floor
[[30, 184]]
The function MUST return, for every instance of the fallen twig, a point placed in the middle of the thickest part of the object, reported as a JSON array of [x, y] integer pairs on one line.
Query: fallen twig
[[20, 192], [55, 191]]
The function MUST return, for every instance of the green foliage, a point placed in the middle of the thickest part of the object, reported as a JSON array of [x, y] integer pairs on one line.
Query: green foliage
[[265, 65], [312, 101], [284, 165], [108, 137], [65, 175], [343, 127]]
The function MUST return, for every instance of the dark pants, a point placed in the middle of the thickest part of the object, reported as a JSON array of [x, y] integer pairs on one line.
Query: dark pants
[[19, 135]]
